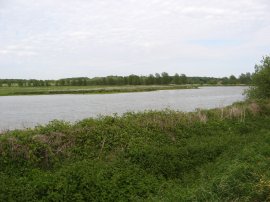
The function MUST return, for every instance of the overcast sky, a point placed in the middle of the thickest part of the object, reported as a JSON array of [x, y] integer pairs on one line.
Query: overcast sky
[[50, 39]]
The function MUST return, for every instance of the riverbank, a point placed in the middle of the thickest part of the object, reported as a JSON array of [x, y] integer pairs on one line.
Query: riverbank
[[9, 91], [207, 155], [28, 111]]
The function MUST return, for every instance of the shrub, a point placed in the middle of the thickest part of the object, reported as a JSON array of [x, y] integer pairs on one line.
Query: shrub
[[261, 80]]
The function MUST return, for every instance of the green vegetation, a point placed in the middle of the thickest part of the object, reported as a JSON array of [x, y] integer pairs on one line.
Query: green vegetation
[[157, 79], [4, 91], [261, 80], [114, 84], [208, 155]]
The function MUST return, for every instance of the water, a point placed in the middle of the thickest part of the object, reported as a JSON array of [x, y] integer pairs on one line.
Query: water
[[27, 111]]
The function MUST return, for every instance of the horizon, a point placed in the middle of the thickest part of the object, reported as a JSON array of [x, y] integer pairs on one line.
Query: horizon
[[127, 76], [64, 39]]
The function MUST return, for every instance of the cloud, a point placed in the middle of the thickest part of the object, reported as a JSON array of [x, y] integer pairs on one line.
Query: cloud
[[18, 50], [102, 37]]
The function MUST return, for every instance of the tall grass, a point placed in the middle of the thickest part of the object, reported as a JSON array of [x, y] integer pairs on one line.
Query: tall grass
[[7, 91]]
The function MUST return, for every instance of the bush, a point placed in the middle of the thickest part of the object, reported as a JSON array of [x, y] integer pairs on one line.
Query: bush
[[207, 155], [261, 80]]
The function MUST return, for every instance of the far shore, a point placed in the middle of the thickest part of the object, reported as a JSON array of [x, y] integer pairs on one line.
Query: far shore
[[54, 90]]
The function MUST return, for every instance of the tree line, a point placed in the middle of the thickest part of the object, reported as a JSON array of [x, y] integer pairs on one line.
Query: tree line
[[152, 79]]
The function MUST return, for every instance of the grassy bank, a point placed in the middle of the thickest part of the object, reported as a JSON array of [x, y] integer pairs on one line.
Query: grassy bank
[[6, 91], [208, 155]]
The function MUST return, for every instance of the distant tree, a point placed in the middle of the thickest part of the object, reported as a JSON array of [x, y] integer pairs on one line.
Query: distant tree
[[9, 83], [134, 80], [212, 81], [225, 80], [165, 78], [46, 83], [232, 79], [176, 79], [183, 79], [245, 78], [150, 80], [79, 81], [157, 78], [61, 82], [41, 83], [20, 83]]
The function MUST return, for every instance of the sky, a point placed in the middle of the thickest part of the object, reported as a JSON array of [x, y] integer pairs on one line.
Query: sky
[[52, 39]]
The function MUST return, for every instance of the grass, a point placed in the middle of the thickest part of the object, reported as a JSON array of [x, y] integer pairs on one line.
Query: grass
[[7, 91], [207, 155]]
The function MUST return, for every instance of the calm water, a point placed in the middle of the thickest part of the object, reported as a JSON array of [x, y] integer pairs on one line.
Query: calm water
[[28, 111]]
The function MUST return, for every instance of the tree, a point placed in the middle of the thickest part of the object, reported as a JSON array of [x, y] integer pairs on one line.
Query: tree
[[176, 79], [261, 80], [157, 78], [232, 79], [245, 78], [183, 79], [134, 80], [150, 80], [165, 78]]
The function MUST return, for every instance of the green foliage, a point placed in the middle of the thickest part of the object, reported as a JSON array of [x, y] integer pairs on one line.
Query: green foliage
[[207, 155], [157, 79], [261, 80]]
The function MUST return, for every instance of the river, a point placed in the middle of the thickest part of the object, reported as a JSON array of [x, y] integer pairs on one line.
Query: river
[[19, 112]]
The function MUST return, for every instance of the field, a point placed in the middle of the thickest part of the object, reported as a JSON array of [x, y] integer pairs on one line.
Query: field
[[207, 155], [5, 91]]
